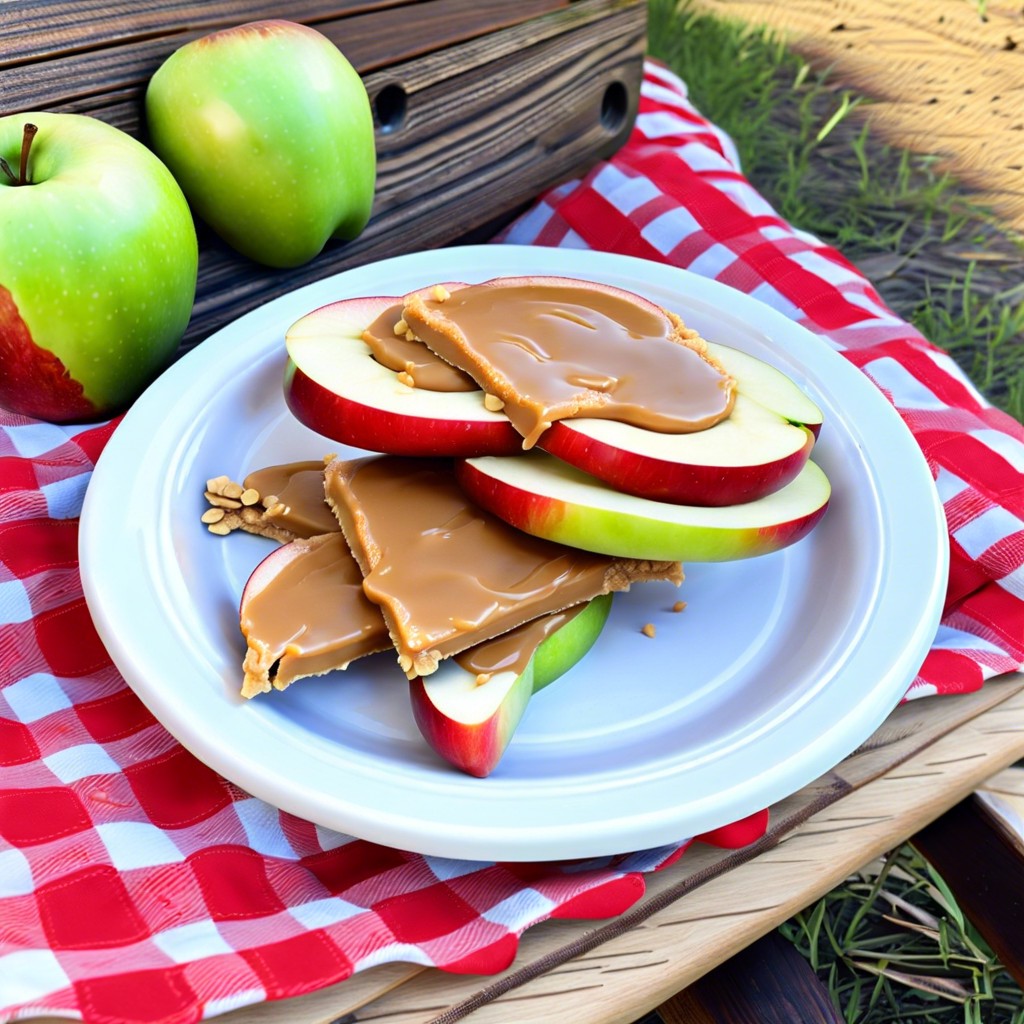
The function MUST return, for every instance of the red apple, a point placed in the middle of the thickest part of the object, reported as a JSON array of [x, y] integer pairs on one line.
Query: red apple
[[470, 724], [549, 498]]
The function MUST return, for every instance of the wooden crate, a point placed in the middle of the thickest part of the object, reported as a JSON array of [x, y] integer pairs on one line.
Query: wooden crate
[[478, 105]]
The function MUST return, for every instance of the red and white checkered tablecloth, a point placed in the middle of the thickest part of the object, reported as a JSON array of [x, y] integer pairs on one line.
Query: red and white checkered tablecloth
[[137, 885]]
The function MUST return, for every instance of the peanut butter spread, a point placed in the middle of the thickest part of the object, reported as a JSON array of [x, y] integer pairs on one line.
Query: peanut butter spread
[[512, 651], [393, 345], [559, 348], [300, 509], [447, 575], [307, 615]]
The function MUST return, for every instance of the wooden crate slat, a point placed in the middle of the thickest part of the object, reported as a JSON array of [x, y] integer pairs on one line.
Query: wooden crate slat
[[34, 31], [78, 81]]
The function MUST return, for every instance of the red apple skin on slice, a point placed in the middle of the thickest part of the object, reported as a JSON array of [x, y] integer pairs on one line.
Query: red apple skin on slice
[[334, 386], [471, 725], [546, 497], [751, 454]]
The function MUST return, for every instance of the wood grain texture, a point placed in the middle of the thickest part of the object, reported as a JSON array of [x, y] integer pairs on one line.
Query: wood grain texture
[[945, 80], [1002, 798], [98, 76], [38, 31]]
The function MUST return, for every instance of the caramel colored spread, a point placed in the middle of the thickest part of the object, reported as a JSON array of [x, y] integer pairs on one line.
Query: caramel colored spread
[[308, 617], [299, 487], [402, 354], [512, 651], [448, 575], [559, 348]]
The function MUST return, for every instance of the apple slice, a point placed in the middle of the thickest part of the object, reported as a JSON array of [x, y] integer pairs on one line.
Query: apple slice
[[334, 386], [752, 453], [768, 386], [548, 498], [470, 724], [761, 447]]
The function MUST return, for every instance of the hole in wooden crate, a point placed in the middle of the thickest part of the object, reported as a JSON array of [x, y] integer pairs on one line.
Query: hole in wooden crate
[[390, 106], [614, 105]]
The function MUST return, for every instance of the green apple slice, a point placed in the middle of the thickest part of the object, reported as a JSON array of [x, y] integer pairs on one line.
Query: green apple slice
[[470, 724], [546, 497]]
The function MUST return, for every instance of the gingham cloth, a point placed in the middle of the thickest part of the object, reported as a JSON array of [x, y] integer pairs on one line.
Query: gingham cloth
[[137, 885]]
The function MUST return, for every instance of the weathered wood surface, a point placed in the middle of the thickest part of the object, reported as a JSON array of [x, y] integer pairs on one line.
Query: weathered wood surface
[[695, 915], [478, 106], [1002, 798]]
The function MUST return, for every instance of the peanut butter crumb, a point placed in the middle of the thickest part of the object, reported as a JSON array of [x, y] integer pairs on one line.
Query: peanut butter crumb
[[410, 336], [213, 515], [400, 328], [483, 677], [219, 501], [440, 293], [217, 484], [678, 606], [493, 403], [270, 501], [648, 630], [406, 378]]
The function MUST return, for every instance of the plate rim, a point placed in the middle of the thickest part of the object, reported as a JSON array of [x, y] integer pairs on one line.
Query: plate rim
[[513, 842]]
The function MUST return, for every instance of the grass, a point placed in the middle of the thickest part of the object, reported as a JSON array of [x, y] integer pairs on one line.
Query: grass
[[890, 943], [938, 259]]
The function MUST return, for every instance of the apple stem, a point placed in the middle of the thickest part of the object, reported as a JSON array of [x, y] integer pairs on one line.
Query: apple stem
[[27, 135]]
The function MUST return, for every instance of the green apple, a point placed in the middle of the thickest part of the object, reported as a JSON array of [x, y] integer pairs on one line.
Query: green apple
[[268, 129], [97, 266], [469, 724]]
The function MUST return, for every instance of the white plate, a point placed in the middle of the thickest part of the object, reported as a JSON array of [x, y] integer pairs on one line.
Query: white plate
[[778, 668]]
